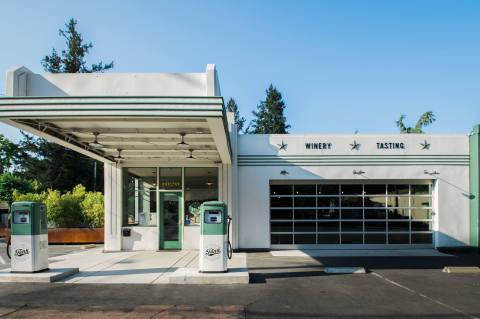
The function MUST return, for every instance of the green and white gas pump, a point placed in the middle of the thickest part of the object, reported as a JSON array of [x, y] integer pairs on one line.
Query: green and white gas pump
[[215, 247], [29, 236]]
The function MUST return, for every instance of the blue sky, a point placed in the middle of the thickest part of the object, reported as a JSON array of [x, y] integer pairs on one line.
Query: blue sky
[[340, 65]]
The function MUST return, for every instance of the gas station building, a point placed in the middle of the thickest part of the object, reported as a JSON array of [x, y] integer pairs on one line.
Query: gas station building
[[168, 145]]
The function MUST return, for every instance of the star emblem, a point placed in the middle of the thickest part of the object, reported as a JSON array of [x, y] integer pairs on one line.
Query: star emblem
[[282, 146], [425, 145], [355, 146]]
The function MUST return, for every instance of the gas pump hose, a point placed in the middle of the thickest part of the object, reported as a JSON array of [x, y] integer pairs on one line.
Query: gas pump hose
[[8, 247], [229, 245]]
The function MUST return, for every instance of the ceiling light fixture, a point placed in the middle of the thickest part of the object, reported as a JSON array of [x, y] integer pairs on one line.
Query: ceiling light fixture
[[190, 156], [119, 156], [182, 144], [95, 143]]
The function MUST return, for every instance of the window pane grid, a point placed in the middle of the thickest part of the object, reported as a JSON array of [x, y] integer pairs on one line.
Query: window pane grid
[[356, 213]]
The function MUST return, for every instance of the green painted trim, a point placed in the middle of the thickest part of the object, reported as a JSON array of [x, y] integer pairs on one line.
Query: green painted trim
[[356, 159], [474, 186], [227, 132], [113, 103], [353, 155], [400, 163], [110, 110], [107, 116], [169, 244], [111, 97], [331, 160]]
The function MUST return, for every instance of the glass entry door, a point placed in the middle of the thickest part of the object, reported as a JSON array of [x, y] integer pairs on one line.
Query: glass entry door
[[170, 220]]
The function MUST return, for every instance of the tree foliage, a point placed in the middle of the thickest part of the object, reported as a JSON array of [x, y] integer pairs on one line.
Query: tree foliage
[[54, 166], [239, 120], [425, 119], [10, 182], [8, 151], [269, 116], [72, 59]]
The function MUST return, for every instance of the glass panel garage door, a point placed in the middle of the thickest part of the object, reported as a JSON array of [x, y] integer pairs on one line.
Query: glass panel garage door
[[326, 214]]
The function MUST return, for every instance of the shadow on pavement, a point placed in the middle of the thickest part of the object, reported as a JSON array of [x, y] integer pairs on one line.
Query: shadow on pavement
[[264, 266], [402, 262]]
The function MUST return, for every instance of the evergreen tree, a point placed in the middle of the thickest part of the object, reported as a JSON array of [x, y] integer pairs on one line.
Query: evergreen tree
[[425, 119], [55, 166], [8, 150], [269, 117], [239, 120], [72, 59]]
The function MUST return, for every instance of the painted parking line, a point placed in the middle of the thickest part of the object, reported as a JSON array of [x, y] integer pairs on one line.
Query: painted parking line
[[423, 295]]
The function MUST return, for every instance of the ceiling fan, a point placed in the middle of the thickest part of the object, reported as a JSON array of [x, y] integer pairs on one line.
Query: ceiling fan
[[183, 144], [95, 144], [119, 157], [190, 156]]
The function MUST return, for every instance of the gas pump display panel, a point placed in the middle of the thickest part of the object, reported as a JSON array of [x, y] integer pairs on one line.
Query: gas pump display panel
[[21, 217], [213, 217]]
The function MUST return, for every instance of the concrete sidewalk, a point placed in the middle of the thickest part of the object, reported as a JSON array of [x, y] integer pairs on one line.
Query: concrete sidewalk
[[144, 267]]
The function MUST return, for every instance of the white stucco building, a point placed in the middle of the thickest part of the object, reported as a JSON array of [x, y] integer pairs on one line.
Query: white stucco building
[[168, 144]]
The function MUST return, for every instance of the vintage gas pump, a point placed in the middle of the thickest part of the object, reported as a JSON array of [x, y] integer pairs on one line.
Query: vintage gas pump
[[215, 247], [29, 236]]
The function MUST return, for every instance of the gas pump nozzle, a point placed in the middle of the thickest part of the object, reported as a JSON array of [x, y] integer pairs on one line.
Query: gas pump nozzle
[[229, 244]]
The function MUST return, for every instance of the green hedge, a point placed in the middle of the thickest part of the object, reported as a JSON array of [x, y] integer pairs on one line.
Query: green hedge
[[77, 208]]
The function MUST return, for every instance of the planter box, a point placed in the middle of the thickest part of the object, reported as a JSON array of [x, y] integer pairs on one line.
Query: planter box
[[75, 236], [72, 235]]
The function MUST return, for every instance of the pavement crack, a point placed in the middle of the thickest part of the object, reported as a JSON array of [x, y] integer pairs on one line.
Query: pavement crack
[[13, 311], [160, 311]]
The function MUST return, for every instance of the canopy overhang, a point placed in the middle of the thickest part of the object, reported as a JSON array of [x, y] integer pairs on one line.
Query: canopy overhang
[[143, 128]]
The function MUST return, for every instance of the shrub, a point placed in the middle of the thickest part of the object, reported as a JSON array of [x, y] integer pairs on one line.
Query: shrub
[[71, 211], [19, 197], [77, 208], [53, 200], [92, 206]]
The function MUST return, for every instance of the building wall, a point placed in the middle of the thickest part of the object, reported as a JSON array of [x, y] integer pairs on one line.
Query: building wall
[[23, 82], [260, 161], [141, 238]]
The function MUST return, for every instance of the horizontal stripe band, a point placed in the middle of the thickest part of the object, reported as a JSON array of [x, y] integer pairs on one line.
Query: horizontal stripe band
[[350, 156], [357, 164], [110, 97]]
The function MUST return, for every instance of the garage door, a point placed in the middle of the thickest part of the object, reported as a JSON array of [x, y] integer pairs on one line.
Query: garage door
[[350, 214]]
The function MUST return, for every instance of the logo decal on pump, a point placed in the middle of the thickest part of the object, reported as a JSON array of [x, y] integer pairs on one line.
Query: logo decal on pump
[[20, 252], [212, 251]]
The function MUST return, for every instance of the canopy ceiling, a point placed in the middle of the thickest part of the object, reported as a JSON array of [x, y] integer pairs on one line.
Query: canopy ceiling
[[137, 128]]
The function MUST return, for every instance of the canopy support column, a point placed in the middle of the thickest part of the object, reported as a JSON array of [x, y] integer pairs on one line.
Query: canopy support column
[[113, 206]]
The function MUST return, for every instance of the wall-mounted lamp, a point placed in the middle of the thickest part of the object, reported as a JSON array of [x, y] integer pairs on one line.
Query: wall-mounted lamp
[[431, 173], [360, 172], [284, 172]]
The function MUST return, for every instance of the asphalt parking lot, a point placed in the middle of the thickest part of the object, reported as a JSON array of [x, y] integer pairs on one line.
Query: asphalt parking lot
[[281, 287]]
